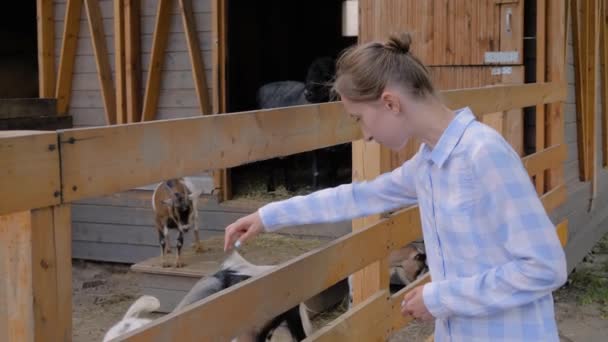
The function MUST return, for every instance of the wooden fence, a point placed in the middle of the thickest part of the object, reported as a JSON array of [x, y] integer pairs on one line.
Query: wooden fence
[[43, 172]]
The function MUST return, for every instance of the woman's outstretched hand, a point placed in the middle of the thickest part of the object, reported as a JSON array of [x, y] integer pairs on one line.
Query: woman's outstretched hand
[[243, 229]]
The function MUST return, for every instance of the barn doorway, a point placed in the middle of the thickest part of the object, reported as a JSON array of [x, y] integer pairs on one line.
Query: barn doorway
[[19, 50], [276, 40]]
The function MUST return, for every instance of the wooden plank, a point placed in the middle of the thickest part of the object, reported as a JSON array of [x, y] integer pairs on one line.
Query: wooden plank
[[551, 157], [511, 29], [198, 64], [285, 286], [16, 304], [43, 123], [555, 64], [603, 22], [46, 48], [540, 77], [44, 275], [29, 176], [396, 320], [71, 28], [223, 140], [590, 12], [52, 273], [514, 119], [104, 72], [234, 139], [159, 44], [364, 322], [21, 108], [133, 59], [579, 86], [120, 61], [221, 177], [504, 97], [554, 198], [63, 256], [562, 232], [369, 160]]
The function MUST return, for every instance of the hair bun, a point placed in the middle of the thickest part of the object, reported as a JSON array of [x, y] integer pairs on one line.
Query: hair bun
[[399, 43]]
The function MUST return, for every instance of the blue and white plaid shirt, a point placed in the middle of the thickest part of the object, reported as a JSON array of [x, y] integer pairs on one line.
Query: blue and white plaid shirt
[[493, 253]]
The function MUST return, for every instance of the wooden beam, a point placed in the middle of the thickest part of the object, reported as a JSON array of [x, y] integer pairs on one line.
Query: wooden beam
[[203, 143], [498, 98], [104, 73], [562, 232], [283, 287], [133, 59], [552, 157], [396, 320], [68, 55], [52, 273], [120, 61], [16, 304], [554, 197], [541, 42], [369, 160], [218, 55], [603, 22], [364, 322], [556, 67], [159, 44], [221, 177], [196, 58], [46, 48], [581, 125], [224, 141], [29, 176]]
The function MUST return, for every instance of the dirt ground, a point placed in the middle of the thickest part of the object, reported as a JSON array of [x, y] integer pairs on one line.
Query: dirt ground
[[103, 292]]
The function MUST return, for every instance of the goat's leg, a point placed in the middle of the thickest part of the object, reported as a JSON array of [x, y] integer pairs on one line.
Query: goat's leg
[[180, 243], [315, 170], [162, 238], [198, 245]]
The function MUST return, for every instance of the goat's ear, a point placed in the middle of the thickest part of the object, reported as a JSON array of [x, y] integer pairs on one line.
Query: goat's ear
[[168, 201]]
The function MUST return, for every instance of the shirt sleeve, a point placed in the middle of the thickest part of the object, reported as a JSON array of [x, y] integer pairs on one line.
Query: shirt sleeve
[[537, 263], [387, 192]]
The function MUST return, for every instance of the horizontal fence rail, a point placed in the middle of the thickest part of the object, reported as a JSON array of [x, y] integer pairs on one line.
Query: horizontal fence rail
[[74, 164]]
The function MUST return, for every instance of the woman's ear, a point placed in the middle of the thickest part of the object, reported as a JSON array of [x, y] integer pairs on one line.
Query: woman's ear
[[391, 102]]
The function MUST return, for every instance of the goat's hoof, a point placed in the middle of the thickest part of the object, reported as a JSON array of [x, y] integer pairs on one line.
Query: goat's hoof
[[198, 247], [166, 264], [179, 264]]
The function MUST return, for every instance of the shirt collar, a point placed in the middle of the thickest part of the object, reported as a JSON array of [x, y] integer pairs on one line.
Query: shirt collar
[[450, 137]]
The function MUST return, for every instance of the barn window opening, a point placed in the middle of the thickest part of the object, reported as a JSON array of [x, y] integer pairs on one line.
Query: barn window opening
[[278, 41]]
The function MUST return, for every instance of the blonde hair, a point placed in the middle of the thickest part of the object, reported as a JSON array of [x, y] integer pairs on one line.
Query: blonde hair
[[363, 71]]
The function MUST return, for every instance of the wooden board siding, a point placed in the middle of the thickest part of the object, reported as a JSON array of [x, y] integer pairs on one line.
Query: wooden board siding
[[177, 95], [120, 228], [585, 227], [448, 32]]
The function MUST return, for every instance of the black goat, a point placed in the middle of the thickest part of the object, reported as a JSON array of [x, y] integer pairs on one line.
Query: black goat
[[316, 89]]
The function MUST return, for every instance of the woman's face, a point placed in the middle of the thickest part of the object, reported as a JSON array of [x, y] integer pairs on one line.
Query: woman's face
[[381, 120]]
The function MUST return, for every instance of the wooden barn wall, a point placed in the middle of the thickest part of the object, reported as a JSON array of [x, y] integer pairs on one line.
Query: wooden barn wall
[[585, 226], [120, 227], [177, 96]]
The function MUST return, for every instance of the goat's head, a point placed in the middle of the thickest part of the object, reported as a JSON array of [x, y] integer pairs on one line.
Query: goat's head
[[320, 73], [180, 206]]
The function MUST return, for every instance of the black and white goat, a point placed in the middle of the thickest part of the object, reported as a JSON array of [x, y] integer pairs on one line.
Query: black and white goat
[[294, 324], [175, 207], [315, 89]]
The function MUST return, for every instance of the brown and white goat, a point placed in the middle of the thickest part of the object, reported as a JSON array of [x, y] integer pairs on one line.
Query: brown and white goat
[[174, 205]]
